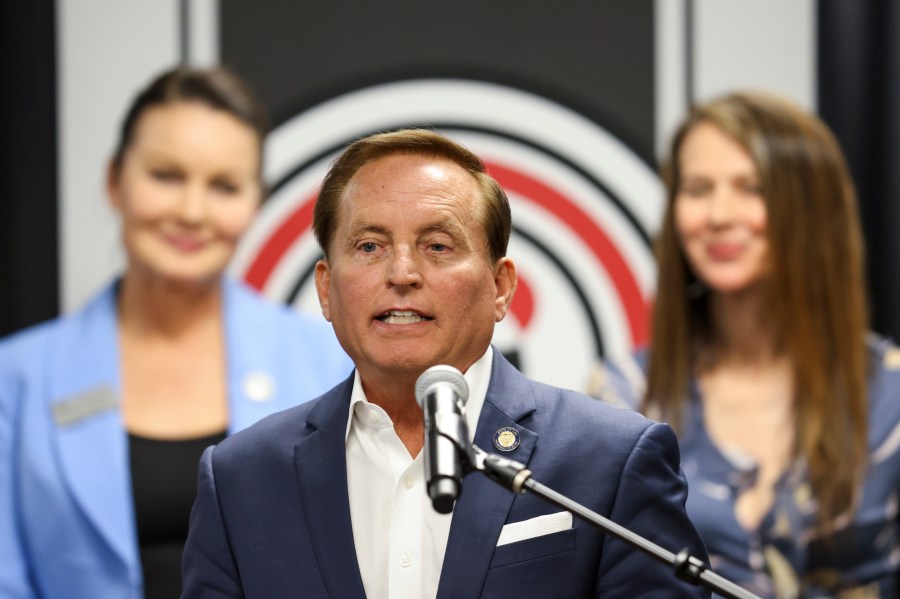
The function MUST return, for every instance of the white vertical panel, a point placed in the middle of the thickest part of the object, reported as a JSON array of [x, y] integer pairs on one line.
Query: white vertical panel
[[203, 35], [671, 70], [764, 44], [737, 44], [107, 50]]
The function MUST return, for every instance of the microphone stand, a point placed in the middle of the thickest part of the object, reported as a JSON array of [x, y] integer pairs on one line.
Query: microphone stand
[[514, 476]]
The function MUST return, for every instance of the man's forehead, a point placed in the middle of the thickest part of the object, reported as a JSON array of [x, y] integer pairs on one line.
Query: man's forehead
[[434, 166], [436, 182], [429, 180]]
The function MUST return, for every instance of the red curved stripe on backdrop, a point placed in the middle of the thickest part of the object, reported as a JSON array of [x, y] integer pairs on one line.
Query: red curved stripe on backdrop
[[522, 306], [298, 222], [636, 308]]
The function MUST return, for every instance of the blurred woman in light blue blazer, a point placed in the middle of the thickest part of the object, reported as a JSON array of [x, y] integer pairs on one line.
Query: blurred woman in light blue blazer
[[104, 413]]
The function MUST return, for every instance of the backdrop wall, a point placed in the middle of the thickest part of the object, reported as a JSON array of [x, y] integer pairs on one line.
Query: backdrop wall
[[570, 103]]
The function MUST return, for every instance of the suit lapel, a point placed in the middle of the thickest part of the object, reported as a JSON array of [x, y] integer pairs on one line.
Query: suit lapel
[[483, 505], [321, 464], [85, 409]]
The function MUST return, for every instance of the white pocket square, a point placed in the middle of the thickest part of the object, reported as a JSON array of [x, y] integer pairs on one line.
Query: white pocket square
[[535, 527]]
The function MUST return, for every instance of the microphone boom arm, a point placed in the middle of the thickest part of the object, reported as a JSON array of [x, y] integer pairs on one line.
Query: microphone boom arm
[[515, 477]]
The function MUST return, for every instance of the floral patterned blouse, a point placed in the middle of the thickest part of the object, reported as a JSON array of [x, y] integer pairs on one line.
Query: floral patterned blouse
[[782, 558]]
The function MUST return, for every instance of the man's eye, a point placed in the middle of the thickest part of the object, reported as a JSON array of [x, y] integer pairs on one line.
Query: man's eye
[[368, 247], [438, 247]]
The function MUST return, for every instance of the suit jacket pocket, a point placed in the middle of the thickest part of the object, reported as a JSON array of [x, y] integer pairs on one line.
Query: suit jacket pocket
[[534, 548]]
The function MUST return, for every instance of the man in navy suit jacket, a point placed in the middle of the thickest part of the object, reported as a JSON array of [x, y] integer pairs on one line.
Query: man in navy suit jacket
[[327, 499]]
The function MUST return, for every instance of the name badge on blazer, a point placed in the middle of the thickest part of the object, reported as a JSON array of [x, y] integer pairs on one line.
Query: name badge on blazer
[[84, 405]]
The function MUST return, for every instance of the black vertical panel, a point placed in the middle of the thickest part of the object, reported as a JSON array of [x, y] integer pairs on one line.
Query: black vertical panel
[[29, 289], [859, 97], [595, 57]]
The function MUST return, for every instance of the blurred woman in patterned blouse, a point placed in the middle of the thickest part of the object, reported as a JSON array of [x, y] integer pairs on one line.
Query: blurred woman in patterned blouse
[[787, 409]]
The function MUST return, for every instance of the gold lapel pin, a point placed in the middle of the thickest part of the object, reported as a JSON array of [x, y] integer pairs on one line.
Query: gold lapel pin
[[506, 439]]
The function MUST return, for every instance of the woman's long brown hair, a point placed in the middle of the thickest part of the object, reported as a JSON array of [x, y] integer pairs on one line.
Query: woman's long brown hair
[[815, 290]]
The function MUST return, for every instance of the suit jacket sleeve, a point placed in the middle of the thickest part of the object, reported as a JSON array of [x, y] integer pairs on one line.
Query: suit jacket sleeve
[[208, 568], [650, 501]]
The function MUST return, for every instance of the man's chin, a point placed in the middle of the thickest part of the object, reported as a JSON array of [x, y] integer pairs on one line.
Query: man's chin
[[405, 363]]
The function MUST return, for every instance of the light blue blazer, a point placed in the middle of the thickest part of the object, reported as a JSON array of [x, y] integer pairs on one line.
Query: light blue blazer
[[67, 524]]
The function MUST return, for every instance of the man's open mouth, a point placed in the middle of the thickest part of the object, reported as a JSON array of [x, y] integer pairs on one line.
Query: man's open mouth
[[402, 317]]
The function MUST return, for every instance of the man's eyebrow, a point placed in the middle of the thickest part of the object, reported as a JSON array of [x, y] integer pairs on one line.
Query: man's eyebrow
[[448, 225], [363, 227]]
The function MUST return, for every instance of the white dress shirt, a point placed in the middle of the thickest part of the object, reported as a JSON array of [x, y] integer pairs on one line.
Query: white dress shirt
[[400, 540]]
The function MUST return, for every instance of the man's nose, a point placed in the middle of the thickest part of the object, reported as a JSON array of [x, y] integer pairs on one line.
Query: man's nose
[[404, 268]]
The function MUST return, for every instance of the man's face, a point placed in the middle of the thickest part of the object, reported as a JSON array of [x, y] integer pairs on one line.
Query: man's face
[[409, 283]]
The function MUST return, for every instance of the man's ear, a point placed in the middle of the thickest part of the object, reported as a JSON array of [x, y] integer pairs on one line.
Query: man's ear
[[505, 281], [323, 285]]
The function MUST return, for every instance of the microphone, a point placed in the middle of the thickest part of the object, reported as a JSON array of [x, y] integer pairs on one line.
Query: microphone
[[441, 392]]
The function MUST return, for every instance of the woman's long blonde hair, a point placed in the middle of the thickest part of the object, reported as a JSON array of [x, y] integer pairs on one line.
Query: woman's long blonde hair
[[815, 289]]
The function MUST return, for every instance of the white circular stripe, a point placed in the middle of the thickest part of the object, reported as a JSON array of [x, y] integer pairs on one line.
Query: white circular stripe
[[300, 256], [550, 327], [551, 350], [590, 275], [486, 105], [307, 300], [277, 209], [531, 136]]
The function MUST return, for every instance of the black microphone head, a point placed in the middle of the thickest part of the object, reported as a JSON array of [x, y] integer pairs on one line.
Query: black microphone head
[[441, 374]]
